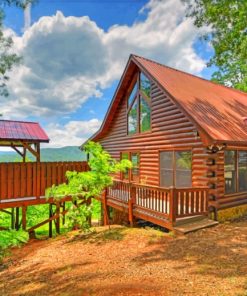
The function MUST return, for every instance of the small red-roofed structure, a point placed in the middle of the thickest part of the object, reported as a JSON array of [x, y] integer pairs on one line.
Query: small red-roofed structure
[[16, 134]]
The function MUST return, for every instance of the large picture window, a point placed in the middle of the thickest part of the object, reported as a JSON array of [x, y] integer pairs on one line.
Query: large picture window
[[139, 106], [235, 171], [175, 169], [132, 174]]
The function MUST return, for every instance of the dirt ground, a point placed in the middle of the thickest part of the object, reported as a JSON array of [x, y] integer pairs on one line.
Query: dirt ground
[[126, 261]]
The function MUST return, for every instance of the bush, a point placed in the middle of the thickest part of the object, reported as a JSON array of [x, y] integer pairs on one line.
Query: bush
[[85, 185], [11, 238]]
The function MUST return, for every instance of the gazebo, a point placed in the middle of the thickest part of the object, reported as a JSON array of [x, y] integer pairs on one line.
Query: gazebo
[[24, 135]]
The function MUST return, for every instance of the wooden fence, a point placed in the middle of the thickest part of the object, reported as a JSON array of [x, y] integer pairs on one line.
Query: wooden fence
[[20, 180]]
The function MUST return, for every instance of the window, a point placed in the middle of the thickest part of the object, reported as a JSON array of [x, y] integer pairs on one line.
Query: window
[[133, 119], [145, 116], [125, 175], [139, 106], [135, 170], [183, 169], [235, 171], [145, 85], [166, 169], [175, 169], [132, 174], [242, 171], [132, 94], [230, 171]]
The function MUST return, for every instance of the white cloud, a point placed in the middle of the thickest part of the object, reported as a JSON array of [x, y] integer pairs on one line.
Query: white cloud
[[72, 133], [67, 60]]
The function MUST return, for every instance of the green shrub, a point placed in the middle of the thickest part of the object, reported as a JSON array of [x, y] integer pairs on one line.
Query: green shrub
[[11, 238]]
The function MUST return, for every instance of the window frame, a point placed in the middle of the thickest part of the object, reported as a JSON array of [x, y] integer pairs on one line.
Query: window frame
[[174, 165], [129, 179], [137, 80], [236, 158]]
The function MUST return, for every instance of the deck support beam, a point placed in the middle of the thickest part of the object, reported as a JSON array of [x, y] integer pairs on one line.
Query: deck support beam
[[131, 203], [17, 217], [24, 217], [105, 208], [50, 222], [64, 209], [89, 218], [13, 218], [57, 221]]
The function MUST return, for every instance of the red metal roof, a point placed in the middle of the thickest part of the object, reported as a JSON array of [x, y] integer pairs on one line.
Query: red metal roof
[[218, 111], [24, 131]]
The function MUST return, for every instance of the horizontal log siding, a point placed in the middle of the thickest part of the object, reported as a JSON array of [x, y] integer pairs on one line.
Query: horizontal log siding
[[171, 129]]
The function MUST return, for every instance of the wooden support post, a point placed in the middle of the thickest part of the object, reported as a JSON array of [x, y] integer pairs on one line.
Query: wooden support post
[[38, 152], [17, 216], [50, 222], [24, 154], [105, 208], [131, 203], [13, 218], [172, 205], [58, 218], [24, 217], [89, 218], [64, 209]]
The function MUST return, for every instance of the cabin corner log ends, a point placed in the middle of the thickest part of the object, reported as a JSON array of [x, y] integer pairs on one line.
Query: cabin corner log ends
[[161, 206]]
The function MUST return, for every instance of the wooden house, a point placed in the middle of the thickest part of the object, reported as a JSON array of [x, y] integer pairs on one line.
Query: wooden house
[[182, 133]]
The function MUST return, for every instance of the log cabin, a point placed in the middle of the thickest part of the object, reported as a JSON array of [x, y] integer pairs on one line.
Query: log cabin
[[187, 140]]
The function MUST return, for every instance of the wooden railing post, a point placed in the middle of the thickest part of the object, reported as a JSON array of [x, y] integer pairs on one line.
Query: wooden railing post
[[131, 202], [173, 205], [105, 207]]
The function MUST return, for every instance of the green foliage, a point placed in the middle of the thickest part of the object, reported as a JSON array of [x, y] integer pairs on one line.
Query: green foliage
[[7, 58], [11, 238], [88, 184], [228, 35]]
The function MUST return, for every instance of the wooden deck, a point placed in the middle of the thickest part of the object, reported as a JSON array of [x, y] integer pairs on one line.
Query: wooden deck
[[23, 184], [167, 207]]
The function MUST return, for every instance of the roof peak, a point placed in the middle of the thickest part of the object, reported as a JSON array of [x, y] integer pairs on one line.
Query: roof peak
[[189, 74]]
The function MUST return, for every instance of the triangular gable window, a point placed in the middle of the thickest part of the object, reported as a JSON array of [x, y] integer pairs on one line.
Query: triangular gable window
[[139, 106]]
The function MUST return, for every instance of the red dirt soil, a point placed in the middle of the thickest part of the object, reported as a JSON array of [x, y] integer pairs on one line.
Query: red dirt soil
[[124, 261]]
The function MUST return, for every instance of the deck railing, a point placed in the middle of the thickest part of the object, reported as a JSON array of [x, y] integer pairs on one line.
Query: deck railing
[[171, 203], [21, 180]]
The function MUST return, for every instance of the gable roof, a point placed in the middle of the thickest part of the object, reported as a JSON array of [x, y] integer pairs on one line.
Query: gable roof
[[219, 112], [11, 130]]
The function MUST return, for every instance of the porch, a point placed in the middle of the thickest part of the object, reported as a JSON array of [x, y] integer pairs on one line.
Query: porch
[[180, 209]]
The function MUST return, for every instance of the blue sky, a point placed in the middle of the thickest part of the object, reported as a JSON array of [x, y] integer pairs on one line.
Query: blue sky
[[75, 51]]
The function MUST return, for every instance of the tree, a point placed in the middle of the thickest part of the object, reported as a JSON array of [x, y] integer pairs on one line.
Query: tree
[[7, 58], [227, 20], [85, 185]]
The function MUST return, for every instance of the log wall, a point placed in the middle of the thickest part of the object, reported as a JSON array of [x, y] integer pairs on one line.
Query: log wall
[[170, 129]]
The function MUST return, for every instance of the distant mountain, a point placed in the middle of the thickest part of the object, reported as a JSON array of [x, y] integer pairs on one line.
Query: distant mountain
[[68, 153]]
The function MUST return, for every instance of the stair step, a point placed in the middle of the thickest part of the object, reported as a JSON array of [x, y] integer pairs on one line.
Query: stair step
[[196, 225], [186, 220]]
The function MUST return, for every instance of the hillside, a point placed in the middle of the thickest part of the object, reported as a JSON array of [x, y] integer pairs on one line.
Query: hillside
[[68, 153], [131, 261]]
